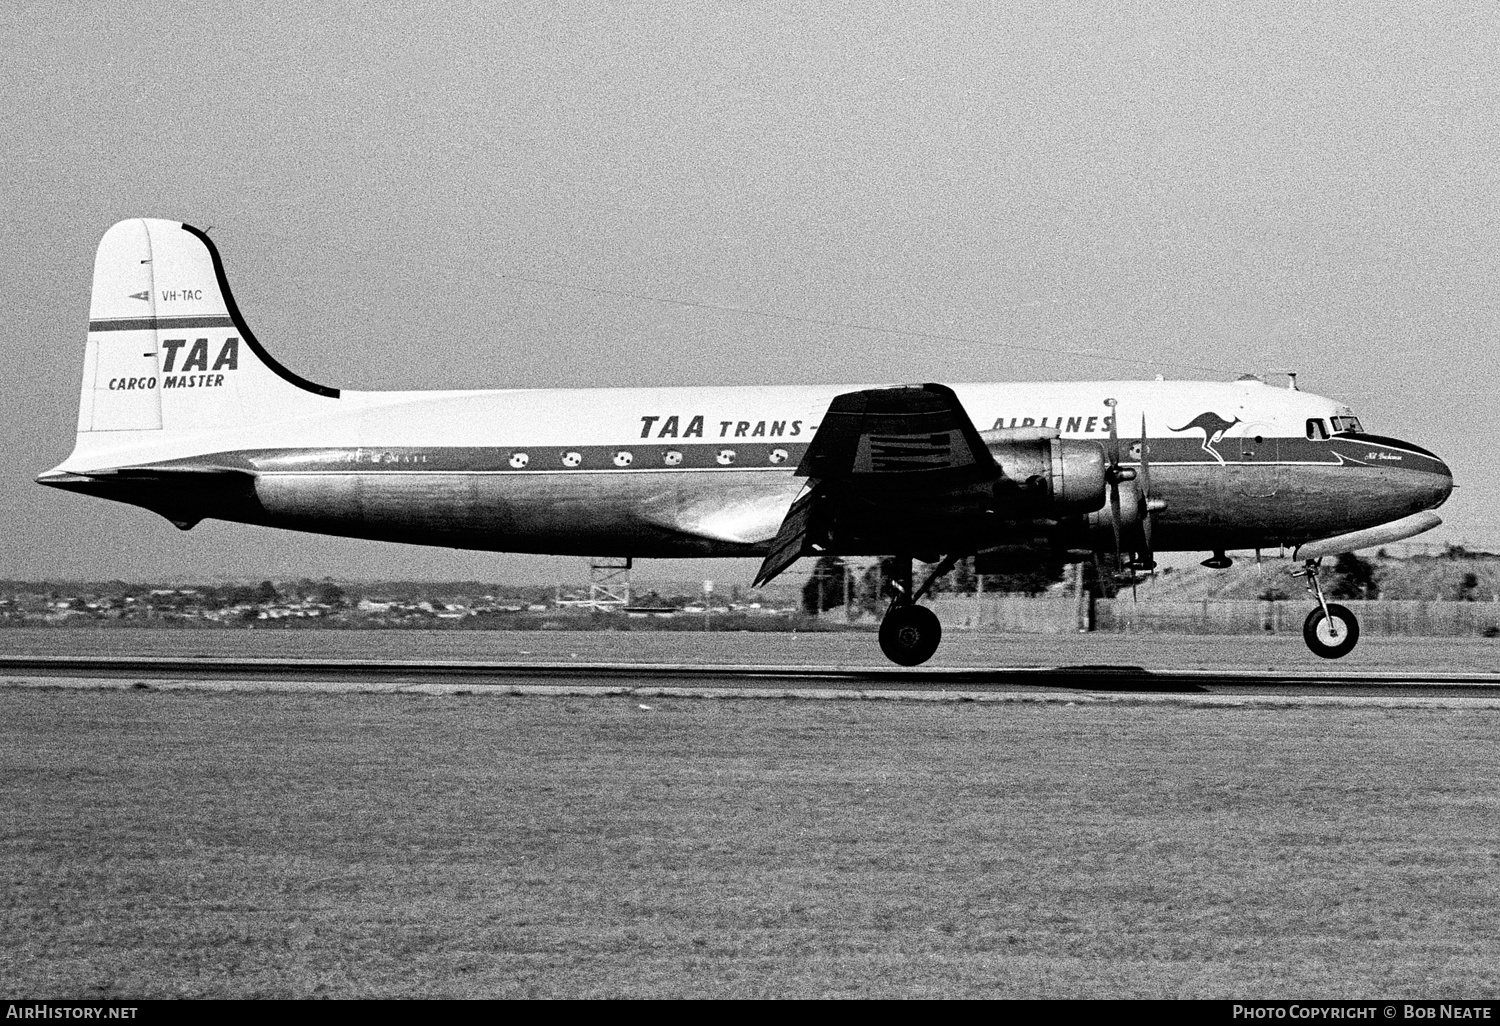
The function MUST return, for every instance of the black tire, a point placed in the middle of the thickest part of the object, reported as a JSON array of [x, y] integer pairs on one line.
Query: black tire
[[909, 635], [1318, 633]]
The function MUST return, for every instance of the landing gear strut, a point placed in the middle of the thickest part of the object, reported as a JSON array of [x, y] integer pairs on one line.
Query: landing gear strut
[[909, 633], [1330, 630]]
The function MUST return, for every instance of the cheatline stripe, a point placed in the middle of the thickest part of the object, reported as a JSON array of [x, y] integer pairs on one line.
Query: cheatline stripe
[[142, 323]]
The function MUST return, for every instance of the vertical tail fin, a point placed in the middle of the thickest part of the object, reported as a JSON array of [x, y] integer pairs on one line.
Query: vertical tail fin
[[167, 348]]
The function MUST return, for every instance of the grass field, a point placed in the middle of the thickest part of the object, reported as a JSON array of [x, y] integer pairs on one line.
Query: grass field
[[960, 648], [159, 843]]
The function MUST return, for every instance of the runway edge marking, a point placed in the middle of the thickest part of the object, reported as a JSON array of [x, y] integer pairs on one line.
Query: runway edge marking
[[1080, 697], [145, 666]]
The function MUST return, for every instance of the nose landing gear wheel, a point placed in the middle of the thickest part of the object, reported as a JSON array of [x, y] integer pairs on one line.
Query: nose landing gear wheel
[[910, 634], [1331, 636]]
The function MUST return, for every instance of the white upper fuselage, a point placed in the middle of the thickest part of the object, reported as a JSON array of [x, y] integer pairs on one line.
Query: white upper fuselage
[[546, 419]]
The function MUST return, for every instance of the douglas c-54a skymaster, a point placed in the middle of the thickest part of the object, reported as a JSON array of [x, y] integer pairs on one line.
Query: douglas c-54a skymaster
[[185, 413]]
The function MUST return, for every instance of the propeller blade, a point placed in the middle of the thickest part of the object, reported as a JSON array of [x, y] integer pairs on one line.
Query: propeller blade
[[1145, 463], [1145, 493], [1114, 435], [1140, 490], [1114, 517], [1115, 476]]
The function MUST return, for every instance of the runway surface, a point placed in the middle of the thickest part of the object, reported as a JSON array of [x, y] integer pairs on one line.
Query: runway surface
[[1064, 682]]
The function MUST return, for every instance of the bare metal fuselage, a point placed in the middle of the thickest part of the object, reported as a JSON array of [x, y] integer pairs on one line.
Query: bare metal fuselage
[[1280, 492], [711, 472]]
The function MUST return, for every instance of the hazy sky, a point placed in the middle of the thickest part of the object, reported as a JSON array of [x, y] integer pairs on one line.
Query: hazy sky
[[1069, 190]]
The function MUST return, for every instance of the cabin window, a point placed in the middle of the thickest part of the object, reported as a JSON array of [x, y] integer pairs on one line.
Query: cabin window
[[1346, 425], [1317, 429]]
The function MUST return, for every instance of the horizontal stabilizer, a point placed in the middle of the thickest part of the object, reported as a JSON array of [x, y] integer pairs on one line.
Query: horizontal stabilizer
[[142, 473], [182, 494]]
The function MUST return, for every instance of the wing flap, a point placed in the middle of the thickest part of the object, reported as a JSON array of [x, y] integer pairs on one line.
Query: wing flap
[[791, 541]]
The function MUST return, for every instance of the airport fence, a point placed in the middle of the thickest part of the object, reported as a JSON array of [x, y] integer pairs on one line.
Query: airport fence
[[1008, 614], [1058, 615]]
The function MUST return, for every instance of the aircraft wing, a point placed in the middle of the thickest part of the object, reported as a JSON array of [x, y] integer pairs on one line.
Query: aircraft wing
[[889, 468], [890, 434]]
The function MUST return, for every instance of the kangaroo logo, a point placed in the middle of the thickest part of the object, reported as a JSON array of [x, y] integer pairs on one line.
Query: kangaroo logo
[[1213, 427]]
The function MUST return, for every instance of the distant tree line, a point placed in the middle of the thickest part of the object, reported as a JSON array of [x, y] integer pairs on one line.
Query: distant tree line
[[868, 591]]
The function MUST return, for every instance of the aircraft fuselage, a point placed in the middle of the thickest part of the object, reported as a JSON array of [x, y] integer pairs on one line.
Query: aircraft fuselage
[[710, 472]]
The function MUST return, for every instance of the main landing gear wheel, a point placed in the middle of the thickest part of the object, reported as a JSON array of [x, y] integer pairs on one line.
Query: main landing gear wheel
[[910, 634], [1331, 636]]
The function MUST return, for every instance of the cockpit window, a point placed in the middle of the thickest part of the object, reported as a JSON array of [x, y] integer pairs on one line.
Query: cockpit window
[[1346, 425], [1317, 429]]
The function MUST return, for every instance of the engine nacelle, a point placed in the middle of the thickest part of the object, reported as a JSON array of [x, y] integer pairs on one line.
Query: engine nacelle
[[1062, 476], [1016, 557]]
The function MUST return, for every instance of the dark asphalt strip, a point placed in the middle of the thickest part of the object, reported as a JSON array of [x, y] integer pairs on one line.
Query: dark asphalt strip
[[1098, 678]]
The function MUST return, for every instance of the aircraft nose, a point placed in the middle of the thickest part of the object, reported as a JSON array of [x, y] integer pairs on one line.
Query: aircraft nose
[[1441, 486], [1413, 478], [1429, 480]]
